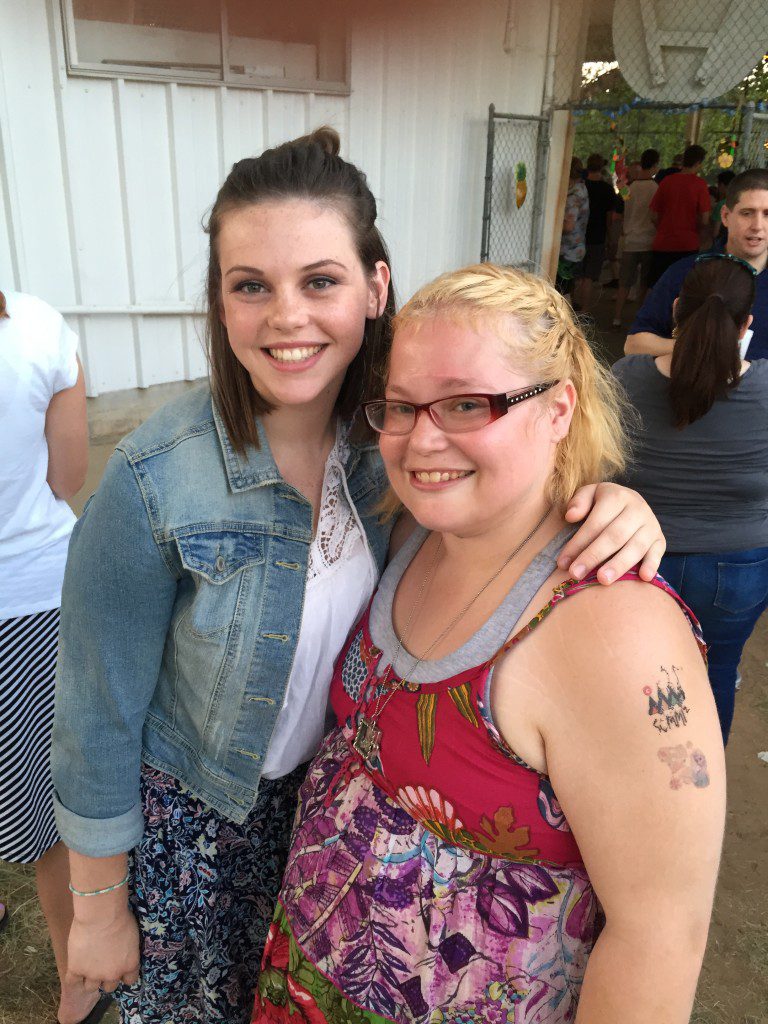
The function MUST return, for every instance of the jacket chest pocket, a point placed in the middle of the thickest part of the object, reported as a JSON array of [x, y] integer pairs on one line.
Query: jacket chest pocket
[[216, 563]]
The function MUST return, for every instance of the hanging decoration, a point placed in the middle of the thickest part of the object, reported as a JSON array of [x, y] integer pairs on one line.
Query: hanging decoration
[[726, 149], [673, 110], [617, 163], [521, 186], [727, 155]]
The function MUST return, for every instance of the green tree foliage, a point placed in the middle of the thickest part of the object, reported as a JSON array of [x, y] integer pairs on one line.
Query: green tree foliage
[[636, 129]]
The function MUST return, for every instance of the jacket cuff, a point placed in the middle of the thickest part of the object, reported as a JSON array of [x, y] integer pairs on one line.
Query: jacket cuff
[[99, 837]]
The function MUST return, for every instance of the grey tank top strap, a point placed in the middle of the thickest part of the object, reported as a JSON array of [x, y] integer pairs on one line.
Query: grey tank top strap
[[488, 639]]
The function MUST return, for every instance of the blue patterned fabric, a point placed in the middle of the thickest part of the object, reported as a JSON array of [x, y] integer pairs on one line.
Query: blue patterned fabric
[[203, 889]]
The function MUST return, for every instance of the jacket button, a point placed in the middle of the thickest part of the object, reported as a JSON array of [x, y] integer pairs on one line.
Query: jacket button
[[221, 565]]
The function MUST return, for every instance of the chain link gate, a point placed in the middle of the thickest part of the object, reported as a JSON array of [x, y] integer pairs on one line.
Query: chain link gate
[[754, 139], [627, 132], [515, 181]]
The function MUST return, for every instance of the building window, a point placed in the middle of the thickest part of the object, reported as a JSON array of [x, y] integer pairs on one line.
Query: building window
[[293, 44]]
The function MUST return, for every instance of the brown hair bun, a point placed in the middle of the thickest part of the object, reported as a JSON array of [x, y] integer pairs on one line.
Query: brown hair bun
[[326, 138]]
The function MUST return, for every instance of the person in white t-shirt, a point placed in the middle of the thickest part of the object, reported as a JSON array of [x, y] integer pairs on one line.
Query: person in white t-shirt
[[638, 232], [43, 460]]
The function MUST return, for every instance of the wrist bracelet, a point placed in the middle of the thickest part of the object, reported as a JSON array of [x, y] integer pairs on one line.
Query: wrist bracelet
[[100, 892]]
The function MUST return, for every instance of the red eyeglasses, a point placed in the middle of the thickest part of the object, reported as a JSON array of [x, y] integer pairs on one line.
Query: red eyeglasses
[[457, 414]]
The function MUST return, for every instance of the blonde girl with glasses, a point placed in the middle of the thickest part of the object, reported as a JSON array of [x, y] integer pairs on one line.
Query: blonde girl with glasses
[[518, 816]]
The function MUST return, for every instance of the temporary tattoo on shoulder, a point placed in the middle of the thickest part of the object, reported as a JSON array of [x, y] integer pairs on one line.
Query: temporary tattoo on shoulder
[[687, 764], [666, 707]]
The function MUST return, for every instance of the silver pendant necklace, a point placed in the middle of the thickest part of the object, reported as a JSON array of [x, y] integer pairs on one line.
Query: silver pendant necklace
[[367, 741]]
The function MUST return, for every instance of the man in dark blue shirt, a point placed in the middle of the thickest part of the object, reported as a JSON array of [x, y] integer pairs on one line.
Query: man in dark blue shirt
[[745, 215]]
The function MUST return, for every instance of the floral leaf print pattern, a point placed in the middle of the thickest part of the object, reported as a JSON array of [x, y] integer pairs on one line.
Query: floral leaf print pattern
[[443, 887], [462, 698], [199, 877], [549, 806], [391, 914], [434, 813], [356, 665], [505, 838], [426, 708], [502, 899]]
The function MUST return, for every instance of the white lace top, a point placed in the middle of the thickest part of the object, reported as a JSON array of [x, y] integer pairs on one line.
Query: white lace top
[[341, 577]]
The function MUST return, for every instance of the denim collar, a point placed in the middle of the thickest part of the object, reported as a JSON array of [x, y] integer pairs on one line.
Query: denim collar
[[256, 467]]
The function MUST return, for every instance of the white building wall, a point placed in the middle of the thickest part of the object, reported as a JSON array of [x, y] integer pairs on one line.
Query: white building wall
[[105, 182]]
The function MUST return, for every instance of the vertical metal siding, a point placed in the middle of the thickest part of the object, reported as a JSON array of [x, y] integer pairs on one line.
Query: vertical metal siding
[[32, 151], [105, 183]]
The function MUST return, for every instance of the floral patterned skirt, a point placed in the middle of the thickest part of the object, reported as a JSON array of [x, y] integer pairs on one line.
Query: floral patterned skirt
[[203, 889], [380, 920]]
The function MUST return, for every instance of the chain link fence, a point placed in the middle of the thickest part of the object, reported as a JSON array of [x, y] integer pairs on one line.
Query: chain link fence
[[515, 179], [669, 130], [663, 74], [755, 141], [686, 52]]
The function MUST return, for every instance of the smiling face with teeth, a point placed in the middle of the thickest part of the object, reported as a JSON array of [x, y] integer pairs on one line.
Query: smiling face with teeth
[[294, 298], [469, 483]]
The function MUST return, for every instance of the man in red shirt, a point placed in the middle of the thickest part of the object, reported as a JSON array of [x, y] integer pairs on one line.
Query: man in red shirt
[[680, 208]]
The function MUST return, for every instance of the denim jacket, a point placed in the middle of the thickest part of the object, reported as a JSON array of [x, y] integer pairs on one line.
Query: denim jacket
[[181, 609]]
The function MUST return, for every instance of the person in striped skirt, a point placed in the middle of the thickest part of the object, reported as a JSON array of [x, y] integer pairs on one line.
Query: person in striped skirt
[[43, 460]]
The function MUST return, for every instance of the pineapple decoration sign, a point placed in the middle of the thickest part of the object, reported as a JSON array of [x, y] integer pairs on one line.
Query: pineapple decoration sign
[[726, 152], [521, 186]]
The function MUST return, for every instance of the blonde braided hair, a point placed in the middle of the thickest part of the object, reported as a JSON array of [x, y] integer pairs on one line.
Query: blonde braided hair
[[545, 343]]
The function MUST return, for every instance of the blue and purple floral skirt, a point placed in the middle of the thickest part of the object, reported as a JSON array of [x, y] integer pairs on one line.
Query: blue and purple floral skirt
[[203, 890]]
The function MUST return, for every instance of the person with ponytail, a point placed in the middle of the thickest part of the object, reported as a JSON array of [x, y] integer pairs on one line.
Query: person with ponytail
[[701, 461], [211, 582], [494, 783]]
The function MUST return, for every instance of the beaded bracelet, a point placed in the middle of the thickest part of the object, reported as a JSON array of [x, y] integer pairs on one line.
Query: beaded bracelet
[[100, 892]]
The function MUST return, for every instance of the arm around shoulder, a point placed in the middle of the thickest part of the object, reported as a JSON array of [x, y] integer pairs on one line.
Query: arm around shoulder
[[117, 601], [635, 756], [647, 343]]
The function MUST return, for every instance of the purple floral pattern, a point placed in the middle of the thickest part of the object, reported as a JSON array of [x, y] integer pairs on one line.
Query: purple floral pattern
[[401, 921], [440, 884]]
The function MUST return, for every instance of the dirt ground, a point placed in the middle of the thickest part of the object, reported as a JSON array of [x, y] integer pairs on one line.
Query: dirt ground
[[734, 983]]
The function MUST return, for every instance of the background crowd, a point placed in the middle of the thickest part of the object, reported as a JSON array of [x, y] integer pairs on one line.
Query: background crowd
[[223, 581], [625, 226]]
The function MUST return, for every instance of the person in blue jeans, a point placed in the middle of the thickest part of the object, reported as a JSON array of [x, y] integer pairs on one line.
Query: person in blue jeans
[[728, 592], [701, 462]]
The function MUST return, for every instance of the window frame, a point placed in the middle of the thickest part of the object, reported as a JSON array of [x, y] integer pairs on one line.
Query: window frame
[[83, 69]]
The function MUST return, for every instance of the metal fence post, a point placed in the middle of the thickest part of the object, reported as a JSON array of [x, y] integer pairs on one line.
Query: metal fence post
[[485, 244], [760, 158], [540, 186], [745, 141]]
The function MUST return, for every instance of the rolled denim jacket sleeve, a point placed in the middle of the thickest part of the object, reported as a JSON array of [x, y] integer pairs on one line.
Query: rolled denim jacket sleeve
[[117, 601]]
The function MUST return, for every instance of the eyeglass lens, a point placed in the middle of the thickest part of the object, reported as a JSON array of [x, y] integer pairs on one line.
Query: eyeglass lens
[[455, 415]]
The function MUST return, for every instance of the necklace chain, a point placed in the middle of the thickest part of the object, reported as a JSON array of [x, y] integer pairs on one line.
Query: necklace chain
[[379, 707]]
